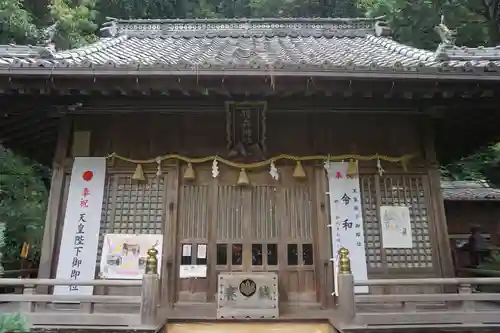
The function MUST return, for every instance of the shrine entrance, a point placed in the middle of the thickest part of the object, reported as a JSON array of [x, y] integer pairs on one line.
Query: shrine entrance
[[263, 227]]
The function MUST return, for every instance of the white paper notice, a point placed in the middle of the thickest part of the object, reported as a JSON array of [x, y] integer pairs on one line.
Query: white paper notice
[[347, 220], [396, 227], [192, 271], [186, 250], [202, 251]]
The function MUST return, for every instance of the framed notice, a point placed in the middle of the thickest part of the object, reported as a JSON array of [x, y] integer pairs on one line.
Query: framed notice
[[124, 255], [396, 227]]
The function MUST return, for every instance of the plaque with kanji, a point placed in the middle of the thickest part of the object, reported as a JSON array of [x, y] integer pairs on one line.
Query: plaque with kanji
[[246, 129]]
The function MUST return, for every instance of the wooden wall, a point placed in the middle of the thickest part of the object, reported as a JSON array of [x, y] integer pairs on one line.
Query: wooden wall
[[147, 135], [197, 134]]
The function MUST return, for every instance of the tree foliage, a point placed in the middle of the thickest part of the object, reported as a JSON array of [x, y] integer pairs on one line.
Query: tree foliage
[[23, 201], [476, 22]]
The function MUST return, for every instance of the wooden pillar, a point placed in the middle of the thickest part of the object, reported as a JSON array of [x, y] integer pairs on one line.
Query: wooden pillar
[[169, 280], [149, 299], [323, 265], [212, 240], [53, 218], [436, 201]]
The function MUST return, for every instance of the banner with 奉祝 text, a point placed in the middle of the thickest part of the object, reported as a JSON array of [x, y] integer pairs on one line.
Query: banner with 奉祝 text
[[346, 218], [80, 235]]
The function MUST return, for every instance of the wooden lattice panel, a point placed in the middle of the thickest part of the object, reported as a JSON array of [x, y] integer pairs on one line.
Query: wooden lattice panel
[[371, 222], [264, 223], [298, 212], [230, 213], [409, 191], [132, 208], [194, 213]]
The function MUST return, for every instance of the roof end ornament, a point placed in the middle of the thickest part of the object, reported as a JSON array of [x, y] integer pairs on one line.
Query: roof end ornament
[[109, 29], [382, 29], [448, 37]]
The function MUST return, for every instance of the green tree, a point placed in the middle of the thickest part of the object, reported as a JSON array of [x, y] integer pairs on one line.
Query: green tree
[[16, 23], [413, 22], [23, 201]]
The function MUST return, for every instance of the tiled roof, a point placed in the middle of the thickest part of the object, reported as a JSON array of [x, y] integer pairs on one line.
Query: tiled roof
[[254, 44], [469, 191]]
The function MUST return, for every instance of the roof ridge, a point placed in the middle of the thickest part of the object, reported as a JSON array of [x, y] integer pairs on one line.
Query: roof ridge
[[239, 20], [283, 26]]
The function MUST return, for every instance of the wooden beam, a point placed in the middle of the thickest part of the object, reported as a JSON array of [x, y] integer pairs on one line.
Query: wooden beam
[[324, 266], [53, 217], [245, 86]]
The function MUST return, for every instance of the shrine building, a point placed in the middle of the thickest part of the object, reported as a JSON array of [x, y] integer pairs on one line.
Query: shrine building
[[252, 146]]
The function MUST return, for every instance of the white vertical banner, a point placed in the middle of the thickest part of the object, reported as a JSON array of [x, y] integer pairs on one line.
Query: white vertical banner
[[82, 221], [346, 220]]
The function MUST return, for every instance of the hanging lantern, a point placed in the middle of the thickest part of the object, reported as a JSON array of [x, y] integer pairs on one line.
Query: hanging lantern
[[139, 174], [243, 178], [352, 168], [189, 173], [299, 171]]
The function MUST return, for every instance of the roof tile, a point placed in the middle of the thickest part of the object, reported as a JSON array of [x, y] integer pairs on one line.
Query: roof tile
[[469, 191], [287, 44]]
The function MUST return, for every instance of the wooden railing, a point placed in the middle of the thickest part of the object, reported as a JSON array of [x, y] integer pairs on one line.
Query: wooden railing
[[83, 310], [460, 305]]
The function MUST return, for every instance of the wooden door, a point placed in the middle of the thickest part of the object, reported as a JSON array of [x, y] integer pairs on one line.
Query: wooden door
[[193, 236], [247, 229], [264, 227], [267, 227], [298, 275]]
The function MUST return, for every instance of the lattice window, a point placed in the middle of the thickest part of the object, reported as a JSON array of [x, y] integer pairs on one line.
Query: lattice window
[[131, 208], [405, 190], [409, 191]]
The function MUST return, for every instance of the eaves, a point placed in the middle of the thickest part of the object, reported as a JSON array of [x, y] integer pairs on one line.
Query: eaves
[[144, 72]]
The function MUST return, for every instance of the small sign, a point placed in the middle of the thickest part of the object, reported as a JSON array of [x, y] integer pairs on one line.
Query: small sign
[[192, 271], [186, 250], [202, 251]]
